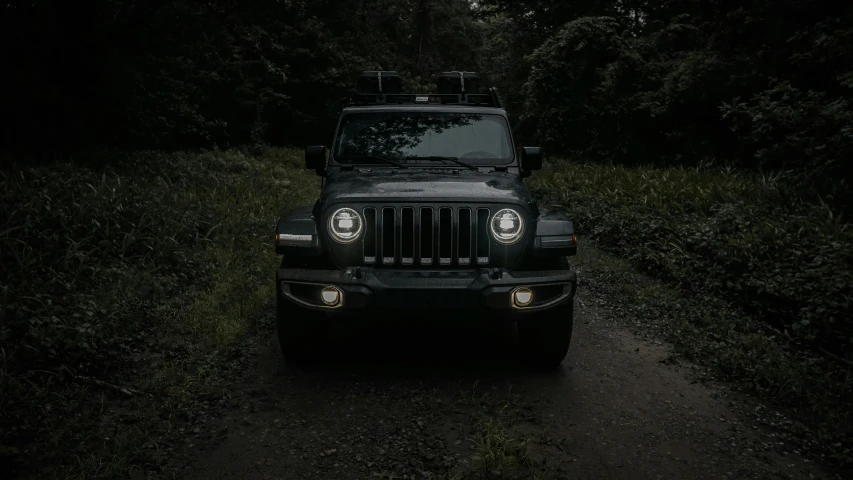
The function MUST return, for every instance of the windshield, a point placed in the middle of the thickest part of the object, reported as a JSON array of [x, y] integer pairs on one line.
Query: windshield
[[408, 137]]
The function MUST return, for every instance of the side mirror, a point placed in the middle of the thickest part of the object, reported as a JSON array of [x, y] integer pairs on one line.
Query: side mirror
[[531, 159], [315, 158]]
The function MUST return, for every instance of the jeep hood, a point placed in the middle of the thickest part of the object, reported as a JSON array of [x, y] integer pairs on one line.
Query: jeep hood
[[410, 187]]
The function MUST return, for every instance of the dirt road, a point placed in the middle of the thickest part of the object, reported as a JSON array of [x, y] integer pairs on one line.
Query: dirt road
[[440, 403]]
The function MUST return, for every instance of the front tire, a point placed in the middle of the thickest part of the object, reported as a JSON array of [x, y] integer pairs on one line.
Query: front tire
[[302, 333], [545, 337]]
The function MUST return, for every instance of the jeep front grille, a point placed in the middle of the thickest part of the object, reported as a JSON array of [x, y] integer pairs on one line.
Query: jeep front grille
[[426, 236]]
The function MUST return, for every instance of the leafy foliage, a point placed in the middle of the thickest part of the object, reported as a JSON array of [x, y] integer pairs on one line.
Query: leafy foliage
[[185, 73], [576, 92], [776, 272], [789, 264], [761, 85], [106, 268], [806, 133]]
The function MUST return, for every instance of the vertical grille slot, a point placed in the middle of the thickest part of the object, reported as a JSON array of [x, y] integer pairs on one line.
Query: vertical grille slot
[[389, 234], [370, 227], [445, 235], [426, 236], [407, 236], [483, 241], [464, 239]]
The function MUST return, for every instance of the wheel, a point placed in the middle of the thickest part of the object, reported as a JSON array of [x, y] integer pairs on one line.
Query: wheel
[[301, 332], [545, 337]]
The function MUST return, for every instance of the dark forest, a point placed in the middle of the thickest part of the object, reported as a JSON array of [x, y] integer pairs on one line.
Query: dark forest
[[760, 85]]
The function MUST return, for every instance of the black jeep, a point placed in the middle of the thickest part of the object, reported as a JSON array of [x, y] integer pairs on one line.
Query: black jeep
[[423, 207]]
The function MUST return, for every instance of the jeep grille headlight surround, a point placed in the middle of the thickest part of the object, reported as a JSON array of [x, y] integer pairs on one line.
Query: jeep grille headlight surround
[[345, 225], [507, 226]]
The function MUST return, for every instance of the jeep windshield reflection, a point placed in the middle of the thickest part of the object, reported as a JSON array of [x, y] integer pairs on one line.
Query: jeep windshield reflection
[[406, 138]]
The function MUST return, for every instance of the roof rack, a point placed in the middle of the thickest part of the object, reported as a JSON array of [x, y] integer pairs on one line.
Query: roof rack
[[456, 88]]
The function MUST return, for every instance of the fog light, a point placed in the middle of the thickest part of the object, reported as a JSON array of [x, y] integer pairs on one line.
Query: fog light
[[331, 296], [522, 297]]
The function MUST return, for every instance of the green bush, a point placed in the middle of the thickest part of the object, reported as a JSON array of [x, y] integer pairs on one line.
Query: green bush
[[578, 88], [808, 134], [774, 274], [788, 262], [107, 267], [693, 86]]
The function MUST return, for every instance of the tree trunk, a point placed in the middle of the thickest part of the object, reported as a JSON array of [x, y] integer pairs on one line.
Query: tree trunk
[[424, 29]]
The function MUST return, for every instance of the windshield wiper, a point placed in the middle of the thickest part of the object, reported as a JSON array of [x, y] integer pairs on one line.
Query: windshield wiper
[[373, 157], [436, 158]]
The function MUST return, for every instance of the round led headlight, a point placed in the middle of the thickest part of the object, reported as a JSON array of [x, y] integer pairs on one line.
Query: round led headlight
[[345, 225], [507, 226]]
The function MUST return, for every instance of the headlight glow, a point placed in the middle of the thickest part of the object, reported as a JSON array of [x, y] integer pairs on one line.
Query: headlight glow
[[507, 226], [331, 296], [345, 225], [522, 297]]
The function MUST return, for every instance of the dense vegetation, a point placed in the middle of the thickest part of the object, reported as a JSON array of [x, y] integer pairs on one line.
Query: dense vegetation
[[764, 88], [136, 275], [759, 84], [190, 73], [97, 246], [763, 285]]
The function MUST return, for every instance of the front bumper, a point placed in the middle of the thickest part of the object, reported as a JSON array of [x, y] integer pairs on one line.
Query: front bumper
[[367, 288]]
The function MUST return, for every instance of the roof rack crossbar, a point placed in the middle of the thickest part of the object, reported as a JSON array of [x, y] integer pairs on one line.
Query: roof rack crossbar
[[489, 100]]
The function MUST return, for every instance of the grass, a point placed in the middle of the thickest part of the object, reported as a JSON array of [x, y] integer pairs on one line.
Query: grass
[[500, 450], [140, 274], [750, 280], [499, 453]]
